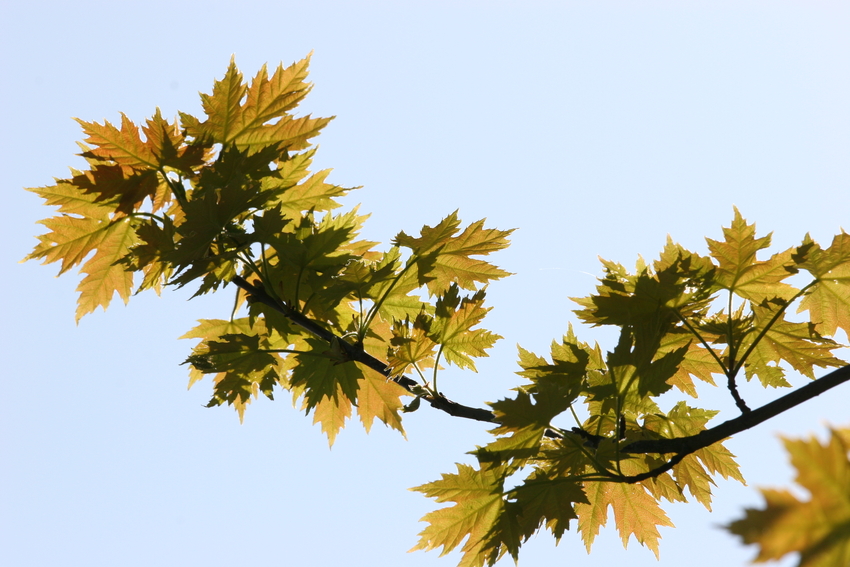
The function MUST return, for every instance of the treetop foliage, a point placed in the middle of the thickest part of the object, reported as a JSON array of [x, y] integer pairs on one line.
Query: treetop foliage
[[342, 324]]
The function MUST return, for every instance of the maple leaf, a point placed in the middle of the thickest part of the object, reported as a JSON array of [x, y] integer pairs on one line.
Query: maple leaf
[[828, 302], [411, 345], [381, 398], [564, 376], [819, 528], [636, 513], [236, 352], [231, 194], [148, 256], [263, 118], [739, 271], [549, 502], [124, 147], [443, 256], [71, 200], [679, 286], [452, 328], [104, 273], [330, 386], [799, 344], [311, 195], [697, 361], [522, 444], [478, 505], [72, 239], [694, 471]]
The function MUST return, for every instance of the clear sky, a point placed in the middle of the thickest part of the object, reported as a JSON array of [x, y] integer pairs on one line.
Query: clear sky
[[596, 128]]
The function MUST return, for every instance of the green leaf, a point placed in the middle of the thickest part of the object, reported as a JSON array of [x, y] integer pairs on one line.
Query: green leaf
[[548, 502], [235, 352], [444, 257], [739, 271], [828, 302], [798, 344], [411, 345], [452, 328], [263, 119], [478, 506]]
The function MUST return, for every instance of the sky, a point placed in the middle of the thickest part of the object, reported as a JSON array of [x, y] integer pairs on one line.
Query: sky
[[594, 128]]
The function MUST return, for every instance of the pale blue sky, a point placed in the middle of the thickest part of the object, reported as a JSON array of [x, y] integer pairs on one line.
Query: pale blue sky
[[596, 128]]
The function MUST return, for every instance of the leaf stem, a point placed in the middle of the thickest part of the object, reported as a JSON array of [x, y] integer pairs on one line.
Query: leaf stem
[[699, 337], [770, 324], [157, 218], [176, 188], [436, 366], [373, 311], [575, 416]]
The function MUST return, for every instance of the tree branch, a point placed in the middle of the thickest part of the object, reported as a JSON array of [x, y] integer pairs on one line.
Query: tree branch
[[356, 353], [686, 445], [680, 447]]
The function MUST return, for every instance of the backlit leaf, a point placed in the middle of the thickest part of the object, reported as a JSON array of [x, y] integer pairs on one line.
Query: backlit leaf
[[818, 528]]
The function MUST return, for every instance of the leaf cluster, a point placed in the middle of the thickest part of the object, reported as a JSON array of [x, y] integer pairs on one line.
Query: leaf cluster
[[228, 196], [342, 325], [682, 320]]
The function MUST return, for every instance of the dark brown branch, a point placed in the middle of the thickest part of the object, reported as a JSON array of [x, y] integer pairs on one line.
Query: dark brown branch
[[679, 447], [733, 389], [687, 445], [356, 353]]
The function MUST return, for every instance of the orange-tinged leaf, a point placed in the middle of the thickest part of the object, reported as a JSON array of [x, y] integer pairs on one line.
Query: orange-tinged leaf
[[128, 188], [166, 142], [71, 200], [381, 398], [636, 513], [332, 411], [124, 147], [71, 239], [718, 459], [692, 475], [104, 276]]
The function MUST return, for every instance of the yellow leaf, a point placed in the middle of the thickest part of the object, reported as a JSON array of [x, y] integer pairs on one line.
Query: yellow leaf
[[381, 398], [636, 513], [103, 276]]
